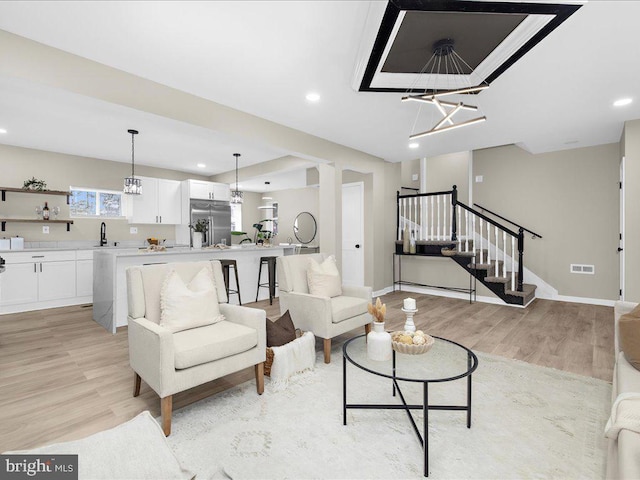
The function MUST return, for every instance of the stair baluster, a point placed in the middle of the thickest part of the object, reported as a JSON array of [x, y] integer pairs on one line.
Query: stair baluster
[[481, 246], [432, 216], [504, 254], [513, 263], [497, 272]]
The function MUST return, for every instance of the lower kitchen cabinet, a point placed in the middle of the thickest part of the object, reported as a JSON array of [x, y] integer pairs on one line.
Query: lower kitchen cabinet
[[37, 280]]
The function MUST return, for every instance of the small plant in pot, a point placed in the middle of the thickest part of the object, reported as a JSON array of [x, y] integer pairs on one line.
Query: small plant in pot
[[200, 229], [262, 236]]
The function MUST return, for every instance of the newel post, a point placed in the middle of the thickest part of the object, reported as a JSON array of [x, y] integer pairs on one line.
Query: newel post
[[454, 215], [398, 214], [520, 256]]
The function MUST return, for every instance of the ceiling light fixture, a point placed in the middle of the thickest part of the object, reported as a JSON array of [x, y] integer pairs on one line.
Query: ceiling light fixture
[[622, 102], [132, 185], [313, 97], [201, 165], [236, 195], [414, 145], [2, 130], [447, 74]]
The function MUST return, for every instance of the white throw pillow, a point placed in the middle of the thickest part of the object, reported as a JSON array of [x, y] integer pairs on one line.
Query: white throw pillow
[[324, 279], [189, 306]]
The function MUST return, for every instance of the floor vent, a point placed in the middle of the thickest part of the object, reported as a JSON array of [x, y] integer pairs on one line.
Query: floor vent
[[586, 269]]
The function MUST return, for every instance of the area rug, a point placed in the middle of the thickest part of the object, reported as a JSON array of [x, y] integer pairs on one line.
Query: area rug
[[528, 422]]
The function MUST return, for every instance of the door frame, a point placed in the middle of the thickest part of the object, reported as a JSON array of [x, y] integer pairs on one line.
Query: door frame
[[621, 237]]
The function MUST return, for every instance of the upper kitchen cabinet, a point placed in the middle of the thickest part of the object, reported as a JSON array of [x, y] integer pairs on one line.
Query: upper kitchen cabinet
[[160, 202], [202, 190]]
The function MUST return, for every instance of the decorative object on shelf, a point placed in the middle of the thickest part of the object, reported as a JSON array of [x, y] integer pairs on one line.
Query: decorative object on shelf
[[38, 212], [405, 240], [55, 211], [412, 343], [447, 74], [378, 340], [132, 185], [45, 211], [35, 184], [236, 195], [409, 309]]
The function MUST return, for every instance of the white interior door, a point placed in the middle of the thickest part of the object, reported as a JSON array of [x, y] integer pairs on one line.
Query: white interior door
[[621, 238], [352, 234]]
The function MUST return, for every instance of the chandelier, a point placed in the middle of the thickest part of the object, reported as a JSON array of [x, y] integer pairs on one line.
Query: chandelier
[[447, 74], [132, 185], [236, 195]]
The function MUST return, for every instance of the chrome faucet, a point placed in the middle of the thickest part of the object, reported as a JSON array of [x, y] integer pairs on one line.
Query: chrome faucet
[[103, 234]]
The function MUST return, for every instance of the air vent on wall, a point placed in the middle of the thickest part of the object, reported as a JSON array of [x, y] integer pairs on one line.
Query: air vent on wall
[[585, 269]]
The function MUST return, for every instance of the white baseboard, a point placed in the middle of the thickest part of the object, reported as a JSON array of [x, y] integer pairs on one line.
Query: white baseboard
[[493, 300]]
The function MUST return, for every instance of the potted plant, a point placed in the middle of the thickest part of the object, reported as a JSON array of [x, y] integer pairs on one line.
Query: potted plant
[[262, 236], [378, 340], [199, 229]]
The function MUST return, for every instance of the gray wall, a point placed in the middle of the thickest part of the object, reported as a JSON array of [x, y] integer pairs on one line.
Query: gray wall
[[571, 198], [60, 171]]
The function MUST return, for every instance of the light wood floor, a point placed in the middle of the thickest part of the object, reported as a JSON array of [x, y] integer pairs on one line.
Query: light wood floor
[[63, 377]]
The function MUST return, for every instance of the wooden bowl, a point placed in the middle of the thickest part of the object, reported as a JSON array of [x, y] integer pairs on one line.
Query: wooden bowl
[[414, 349]]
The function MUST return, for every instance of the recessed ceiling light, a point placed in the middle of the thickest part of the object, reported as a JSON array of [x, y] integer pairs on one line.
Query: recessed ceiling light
[[202, 165], [313, 97], [622, 102], [414, 145], [2, 130]]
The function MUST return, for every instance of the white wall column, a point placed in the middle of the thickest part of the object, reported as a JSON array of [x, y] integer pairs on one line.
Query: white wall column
[[330, 210]]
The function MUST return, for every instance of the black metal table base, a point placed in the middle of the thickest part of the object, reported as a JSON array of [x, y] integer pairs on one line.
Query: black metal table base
[[425, 407]]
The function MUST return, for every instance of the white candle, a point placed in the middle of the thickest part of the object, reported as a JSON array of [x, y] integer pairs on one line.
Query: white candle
[[409, 304]]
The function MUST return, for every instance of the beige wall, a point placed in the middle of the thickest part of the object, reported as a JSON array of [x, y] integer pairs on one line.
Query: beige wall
[[290, 204], [630, 148], [445, 171], [408, 169], [569, 197], [61, 171]]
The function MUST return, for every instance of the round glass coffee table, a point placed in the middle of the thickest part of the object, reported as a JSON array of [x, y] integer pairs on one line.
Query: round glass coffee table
[[444, 362]]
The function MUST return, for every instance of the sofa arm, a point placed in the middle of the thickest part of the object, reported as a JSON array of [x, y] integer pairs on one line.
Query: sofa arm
[[358, 292], [309, 312], [151, 354], [249, 317]]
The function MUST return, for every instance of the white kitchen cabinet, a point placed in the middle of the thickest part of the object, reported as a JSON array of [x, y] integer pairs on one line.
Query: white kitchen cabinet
[[38, 279], [160, 202], [221, 191], [203, 190], [84, 273]]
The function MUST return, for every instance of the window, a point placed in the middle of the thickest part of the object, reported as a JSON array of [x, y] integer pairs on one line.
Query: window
[[236, 217], [90, 202]]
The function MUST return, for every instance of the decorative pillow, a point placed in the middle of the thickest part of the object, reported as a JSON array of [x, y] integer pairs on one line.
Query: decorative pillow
[[281, 331], [324, 279], [189, 306], [629, 331]]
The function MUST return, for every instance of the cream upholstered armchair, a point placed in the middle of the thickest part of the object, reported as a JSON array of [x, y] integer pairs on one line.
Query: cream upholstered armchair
[[327, 317], [172, 361]]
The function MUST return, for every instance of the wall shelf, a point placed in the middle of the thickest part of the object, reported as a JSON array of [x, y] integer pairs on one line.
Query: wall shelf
[[28, 220], [4, 190]]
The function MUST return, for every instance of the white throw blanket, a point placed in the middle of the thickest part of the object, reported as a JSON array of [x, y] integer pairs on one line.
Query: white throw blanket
[[625, 414], [294, 357]]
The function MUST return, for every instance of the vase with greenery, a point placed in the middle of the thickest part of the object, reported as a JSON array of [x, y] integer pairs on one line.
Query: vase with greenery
[[199, 228], [262, 236], [34, 184]]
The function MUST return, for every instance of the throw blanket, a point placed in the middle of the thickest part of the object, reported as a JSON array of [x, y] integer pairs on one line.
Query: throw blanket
[[293, 357], [625, 414]]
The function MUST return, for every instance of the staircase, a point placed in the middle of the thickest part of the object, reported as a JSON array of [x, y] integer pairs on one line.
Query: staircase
[[444, 227]]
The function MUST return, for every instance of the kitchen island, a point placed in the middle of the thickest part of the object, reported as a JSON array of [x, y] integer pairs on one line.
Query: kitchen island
[[110, 282]]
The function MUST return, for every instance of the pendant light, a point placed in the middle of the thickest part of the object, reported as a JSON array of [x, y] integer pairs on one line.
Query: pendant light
[[132, 185], [236, 195], [447, 74]]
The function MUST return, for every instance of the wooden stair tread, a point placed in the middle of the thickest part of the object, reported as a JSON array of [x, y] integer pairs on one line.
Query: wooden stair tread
[[527, 289]]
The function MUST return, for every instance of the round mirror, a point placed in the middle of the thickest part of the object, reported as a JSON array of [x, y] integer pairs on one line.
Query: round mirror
[[305, 227]]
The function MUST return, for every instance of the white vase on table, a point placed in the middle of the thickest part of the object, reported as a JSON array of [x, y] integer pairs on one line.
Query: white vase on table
[[379, 343]]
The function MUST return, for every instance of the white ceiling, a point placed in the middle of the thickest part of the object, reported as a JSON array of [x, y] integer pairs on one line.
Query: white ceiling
[[262, 57]]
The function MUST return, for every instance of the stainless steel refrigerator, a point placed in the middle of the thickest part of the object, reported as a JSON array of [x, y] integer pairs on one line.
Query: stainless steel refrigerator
[[217, 214]]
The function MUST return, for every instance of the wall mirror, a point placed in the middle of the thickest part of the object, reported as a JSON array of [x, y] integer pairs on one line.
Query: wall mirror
[[305, 227]]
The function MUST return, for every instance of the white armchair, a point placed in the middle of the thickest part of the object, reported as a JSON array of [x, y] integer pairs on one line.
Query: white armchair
[[173, 362], [324, 316]]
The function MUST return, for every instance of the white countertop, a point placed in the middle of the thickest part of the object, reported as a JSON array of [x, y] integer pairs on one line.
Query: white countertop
[[133, 252]]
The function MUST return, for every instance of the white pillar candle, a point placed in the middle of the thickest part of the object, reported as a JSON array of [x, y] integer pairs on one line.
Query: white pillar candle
[[409, 304]]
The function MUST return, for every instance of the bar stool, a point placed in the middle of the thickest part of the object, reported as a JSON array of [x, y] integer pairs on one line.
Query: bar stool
[[226, 264], [271, 266]]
